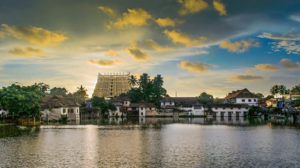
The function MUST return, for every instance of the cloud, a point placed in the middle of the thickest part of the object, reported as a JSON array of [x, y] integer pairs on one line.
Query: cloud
[[238, 46], [104, 62], [197, 67], [295, 17], [192, 6], [165, 22], [25, 52], [150, 44], [137, 54], [182, 38], [134, 17], [220, 7], [289, 65], [112, 53], [273, 36], [107, 10], [244, 78], [249, 72], [287, 42], [34, 35], [290, 47], [267, 67]]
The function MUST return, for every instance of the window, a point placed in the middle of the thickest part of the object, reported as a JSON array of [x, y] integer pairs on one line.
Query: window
[[142, 108], [142, 113], [249, 100], [64, 110], [254, 100], [243, 100]]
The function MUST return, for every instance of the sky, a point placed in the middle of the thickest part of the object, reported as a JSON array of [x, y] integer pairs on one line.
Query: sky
[[213, 46]]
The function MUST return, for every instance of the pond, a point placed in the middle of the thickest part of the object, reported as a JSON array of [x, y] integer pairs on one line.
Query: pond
[[152, 142]]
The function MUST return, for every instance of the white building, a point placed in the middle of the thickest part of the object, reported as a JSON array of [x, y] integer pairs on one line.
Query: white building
[[3, 112], [121, 103], [55, 107], [242, 97], [141, 109]]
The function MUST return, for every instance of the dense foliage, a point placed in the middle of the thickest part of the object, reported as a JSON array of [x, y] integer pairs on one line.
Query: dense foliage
[[205, 98], [23, 101], [279, 89], [102, 105], [146, 89]]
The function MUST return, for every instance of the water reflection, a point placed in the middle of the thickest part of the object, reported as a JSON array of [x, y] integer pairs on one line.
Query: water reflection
[[154, 142]]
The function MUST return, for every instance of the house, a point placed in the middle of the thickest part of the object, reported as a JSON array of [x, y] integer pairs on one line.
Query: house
[[228, 110], [55, 107], [141, 109], [243, 96], [121, 102], [172, 102]]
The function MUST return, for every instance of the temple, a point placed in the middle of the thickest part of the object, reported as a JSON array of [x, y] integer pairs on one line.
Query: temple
[[112, 84]]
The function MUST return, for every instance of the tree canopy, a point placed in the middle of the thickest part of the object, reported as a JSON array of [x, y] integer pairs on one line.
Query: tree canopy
[[102, 105], [205, 98], [57, 91], [22, 101], [147, 89], [81, 94], [279, 89]]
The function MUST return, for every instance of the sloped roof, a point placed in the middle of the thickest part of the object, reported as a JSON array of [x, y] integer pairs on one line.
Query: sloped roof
[[245, 93], [182, 101], [49, 102], [120, 99], [230, 105], [142, 104]]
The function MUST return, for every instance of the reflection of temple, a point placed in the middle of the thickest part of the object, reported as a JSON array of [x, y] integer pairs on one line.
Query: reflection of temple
[[112, 84]]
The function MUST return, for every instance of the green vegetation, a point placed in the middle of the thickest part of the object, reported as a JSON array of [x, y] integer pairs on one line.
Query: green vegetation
[[206, 99], [146, 89], [102, 105], [23, 101], [279, 89]]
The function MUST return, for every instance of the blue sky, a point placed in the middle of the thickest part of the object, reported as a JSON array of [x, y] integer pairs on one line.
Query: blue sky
[[197, 45]]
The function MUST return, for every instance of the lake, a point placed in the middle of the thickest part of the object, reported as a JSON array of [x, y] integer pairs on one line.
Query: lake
[[152, 142]]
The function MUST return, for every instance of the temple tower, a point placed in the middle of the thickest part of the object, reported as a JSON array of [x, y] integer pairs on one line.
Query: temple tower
[[112, 84]]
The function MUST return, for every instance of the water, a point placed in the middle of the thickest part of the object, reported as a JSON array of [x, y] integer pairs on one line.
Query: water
[[153, 143]]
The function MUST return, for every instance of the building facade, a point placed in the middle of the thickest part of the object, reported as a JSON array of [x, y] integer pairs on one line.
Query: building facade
[[54, 108], [243, 96], [112, 84]]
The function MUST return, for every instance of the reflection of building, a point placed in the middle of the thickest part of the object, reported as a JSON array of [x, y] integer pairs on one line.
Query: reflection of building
[[242, 97], [55, 107], [111, 85]]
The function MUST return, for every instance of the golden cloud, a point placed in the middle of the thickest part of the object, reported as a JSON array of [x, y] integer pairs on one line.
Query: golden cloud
[[137, 54], [238, 46], [165, 22], [34, 35], [134, 17], [289, 65], [112, 53], [104, 62], [25, 52], [249, 72], [150, 44], [244, 78], [107, 10], [267, 67], [220, 7], [192, 6], [197, 67], [182, 38]]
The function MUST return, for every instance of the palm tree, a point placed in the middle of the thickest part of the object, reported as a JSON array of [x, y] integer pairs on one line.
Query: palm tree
[[274, 90], [132, 81]]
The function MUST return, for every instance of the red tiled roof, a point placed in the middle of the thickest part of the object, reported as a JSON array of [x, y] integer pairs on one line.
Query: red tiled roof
[[245, 93]]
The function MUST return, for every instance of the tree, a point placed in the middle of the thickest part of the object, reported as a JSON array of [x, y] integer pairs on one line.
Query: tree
[[56, 91], [158, 92], [135, 95], [274, 90], [102, 105], [21, 101], [132, 81], [205, 99], [81, 94], [278, 89], [260, 95], [296, 89]]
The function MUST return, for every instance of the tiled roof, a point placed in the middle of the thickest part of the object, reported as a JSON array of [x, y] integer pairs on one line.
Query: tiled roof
[[49, 102], [245, 93], [142, 104], [182, 101]]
